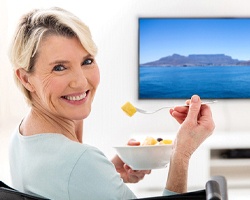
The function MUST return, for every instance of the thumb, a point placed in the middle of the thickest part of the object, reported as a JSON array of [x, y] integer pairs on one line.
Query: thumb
[[194, 108]]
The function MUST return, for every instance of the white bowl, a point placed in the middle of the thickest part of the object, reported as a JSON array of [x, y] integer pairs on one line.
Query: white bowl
[[145, 157]]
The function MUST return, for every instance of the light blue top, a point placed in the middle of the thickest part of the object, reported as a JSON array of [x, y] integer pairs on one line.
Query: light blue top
[[52, 166]]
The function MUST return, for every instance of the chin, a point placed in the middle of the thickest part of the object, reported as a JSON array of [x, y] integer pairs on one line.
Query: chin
[[83, 116], [77, 114]]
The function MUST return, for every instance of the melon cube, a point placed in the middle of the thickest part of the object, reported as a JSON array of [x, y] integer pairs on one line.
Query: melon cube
[[129, 109]]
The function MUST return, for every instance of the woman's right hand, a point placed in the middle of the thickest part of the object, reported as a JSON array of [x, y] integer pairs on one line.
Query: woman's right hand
[[196, 125]]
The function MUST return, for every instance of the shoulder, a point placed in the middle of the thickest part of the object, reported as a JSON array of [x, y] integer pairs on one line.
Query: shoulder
[[75, 169], [95, 177], [90, 158]]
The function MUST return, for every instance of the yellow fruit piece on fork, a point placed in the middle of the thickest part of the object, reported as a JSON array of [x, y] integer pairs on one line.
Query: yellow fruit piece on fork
[[129, 109]]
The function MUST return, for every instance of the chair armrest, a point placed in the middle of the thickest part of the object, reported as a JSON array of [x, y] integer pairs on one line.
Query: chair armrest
[[221, 180], [213, 190]]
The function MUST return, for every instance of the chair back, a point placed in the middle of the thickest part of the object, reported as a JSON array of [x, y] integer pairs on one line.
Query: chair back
[[8, 193]]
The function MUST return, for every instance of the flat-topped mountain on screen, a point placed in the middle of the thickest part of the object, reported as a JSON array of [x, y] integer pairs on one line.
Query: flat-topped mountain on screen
[[198, 60]]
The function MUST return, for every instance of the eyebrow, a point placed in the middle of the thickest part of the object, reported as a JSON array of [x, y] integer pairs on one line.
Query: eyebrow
[[66, 61], [59, 62]]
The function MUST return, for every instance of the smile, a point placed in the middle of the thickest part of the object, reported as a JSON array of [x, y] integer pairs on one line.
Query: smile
[[76, 98]]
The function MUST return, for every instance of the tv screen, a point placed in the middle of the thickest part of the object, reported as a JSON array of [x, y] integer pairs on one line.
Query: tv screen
[[179, 57]]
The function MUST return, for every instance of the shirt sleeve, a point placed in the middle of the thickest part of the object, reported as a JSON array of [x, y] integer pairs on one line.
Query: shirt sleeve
[[95, 177], [168, 193]]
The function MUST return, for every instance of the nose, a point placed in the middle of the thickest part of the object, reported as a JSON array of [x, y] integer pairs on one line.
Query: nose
[[78, 79]]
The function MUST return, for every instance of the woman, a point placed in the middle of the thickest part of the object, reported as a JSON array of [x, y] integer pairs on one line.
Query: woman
[[53, 56]]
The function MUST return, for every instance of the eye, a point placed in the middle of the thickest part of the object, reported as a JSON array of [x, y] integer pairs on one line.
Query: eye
[[59, 68], [88, 61]]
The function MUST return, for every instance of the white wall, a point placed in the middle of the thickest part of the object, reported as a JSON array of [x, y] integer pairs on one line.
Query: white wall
[[114, 28]]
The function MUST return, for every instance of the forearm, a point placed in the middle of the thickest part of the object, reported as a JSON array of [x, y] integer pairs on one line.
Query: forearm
[[178, 174]]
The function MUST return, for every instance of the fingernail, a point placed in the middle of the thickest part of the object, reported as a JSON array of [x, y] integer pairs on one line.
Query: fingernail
[[195, 98]]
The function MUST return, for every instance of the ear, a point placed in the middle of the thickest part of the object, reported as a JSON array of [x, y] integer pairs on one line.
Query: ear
[[23, 77]]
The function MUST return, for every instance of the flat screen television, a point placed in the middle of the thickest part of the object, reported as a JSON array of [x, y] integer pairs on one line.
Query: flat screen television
[[179, 57]]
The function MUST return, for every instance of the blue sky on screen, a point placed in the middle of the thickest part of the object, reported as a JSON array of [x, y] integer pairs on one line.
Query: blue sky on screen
[[159, 37]]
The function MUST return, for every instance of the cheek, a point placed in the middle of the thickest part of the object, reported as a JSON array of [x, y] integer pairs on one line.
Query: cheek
[[54, 86], [95, 78], [50, 87]]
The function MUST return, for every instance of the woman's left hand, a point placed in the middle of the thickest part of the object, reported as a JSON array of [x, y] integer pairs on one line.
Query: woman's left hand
[[127, 174]]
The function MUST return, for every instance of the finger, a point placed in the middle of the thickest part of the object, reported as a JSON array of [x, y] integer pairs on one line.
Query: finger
[[127, 168], [134, 179], [131, 171], [188, 102], [138, 172], [179, 111], [180, 117], [206, 118], [194, 108], [146, 171], [137, 176], [182, 109], [205, 110]]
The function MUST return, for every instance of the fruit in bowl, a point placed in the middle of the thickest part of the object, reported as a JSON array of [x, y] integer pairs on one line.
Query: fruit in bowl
[[153, 141], [151, 154]]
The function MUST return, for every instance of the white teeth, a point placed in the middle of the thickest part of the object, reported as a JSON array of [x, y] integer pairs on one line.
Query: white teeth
[[76, 98]]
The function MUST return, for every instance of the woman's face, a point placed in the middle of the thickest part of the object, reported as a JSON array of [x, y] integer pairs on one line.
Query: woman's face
[[65, 78]]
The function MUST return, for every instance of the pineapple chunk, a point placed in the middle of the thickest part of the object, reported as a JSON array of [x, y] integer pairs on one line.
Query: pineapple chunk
[[165, 141], [129, 109], [158, 141], [149, 141]]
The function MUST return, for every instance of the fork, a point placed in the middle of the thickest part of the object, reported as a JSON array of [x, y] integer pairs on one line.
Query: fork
[[154, 111]]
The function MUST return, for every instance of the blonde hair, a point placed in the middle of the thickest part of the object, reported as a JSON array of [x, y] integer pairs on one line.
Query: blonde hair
[[34, 27]]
